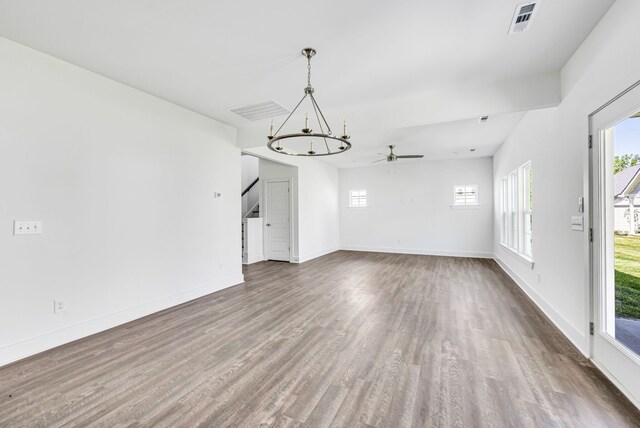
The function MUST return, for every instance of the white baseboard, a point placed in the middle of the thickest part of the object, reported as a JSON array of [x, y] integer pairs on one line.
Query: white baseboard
[[418, 251], [246, 260], [25, 348], [307, 257], [574, 335]]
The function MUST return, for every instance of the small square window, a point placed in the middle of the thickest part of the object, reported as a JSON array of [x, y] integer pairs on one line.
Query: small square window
[[357, 198], [465, 195]]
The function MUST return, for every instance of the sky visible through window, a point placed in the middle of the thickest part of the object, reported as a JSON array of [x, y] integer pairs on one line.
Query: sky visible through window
[[627, 135]]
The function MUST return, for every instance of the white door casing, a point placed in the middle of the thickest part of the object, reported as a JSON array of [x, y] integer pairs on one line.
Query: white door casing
[[620, 363], [277, 220]]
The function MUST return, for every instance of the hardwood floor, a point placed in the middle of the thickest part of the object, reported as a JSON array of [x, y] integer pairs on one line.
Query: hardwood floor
[[349, 339]]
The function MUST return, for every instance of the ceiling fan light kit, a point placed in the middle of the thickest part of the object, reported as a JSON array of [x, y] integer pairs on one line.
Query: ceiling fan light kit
[[306, 134]]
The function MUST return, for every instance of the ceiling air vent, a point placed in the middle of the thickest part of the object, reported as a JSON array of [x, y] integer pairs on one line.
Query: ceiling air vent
[[523, 17], [260, 111]]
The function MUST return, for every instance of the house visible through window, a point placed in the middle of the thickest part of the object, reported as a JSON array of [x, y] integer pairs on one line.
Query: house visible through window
[[465, 195], [516, 206], [357, 198]]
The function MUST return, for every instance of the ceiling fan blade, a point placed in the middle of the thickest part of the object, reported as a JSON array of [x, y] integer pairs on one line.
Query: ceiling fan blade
[[409, 156], [379, 160]]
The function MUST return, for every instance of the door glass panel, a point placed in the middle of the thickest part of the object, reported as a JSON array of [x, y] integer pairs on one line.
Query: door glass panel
[[622, 302]]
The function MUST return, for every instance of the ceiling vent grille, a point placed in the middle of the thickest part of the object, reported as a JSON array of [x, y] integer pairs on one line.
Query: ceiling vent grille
[[523, 17], [259, 111]]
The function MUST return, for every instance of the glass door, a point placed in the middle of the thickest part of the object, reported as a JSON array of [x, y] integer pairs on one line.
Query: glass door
[[615, 186]]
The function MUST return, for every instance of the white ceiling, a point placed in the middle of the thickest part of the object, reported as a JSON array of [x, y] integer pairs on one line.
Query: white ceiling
[[210, 56], [447, 140]]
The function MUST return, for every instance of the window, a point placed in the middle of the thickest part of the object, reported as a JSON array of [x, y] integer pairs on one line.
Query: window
[[516, 207], [513, 210], [527, 209], [465, 195], [357, 198], [504, 213]]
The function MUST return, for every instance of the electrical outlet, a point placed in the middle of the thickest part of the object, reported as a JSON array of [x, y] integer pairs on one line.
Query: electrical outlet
[[220, 266], [59, 306]]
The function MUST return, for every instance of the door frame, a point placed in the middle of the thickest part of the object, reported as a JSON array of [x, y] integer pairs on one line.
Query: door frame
[[265, 183], [593, 214]]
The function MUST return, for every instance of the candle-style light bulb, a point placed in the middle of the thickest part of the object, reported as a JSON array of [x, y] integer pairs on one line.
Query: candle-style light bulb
[[306, 120], [271, 129], [344, 127]]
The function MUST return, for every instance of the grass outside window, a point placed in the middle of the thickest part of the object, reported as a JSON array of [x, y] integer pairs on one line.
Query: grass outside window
[[627, 266]]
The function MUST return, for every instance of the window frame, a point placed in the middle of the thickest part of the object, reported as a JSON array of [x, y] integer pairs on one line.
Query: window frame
[[476, 202], [361, 197], [527, 209], [516, 208], [504, 225]]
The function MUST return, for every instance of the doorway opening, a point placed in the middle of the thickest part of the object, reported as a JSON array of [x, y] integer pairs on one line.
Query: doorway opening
[[269, 210], [615, 249]]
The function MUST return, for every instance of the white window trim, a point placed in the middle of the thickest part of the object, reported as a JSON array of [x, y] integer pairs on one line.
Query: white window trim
[[523, 257], [515, 244], [475, 206], [504, 226], [366, 199], [524, 187], [466, 207]]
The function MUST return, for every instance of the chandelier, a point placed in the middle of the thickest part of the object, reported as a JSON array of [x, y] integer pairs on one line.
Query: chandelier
[[307, 142]]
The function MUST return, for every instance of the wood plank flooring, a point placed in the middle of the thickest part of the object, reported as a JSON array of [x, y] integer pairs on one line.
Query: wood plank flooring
[[346, 340]]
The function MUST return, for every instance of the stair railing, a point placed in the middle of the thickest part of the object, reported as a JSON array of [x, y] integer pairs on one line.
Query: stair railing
[[250, 186]]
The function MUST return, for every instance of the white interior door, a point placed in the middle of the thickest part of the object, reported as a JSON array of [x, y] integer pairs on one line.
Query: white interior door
[[615, 131], [277, 221]]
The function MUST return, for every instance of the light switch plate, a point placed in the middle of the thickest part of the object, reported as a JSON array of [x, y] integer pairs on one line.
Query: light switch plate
[[27, 227], [59, 306], [577, 223]]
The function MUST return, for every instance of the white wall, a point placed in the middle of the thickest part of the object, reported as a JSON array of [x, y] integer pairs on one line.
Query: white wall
[[409, 208], [555, 140], [319, 229], [124, 183]]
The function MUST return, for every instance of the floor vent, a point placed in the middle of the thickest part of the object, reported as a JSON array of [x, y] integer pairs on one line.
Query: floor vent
[[523, 17], [259, 111]]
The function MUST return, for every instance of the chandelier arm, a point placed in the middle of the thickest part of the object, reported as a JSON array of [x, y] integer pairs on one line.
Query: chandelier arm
[[315, 109], [313, 100], [292, 111], [277, 139]]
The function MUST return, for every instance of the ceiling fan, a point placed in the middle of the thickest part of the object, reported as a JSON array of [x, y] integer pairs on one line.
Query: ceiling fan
[[393, 157]]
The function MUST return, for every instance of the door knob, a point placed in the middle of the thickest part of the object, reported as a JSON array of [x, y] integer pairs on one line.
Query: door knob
[[268, 224]]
